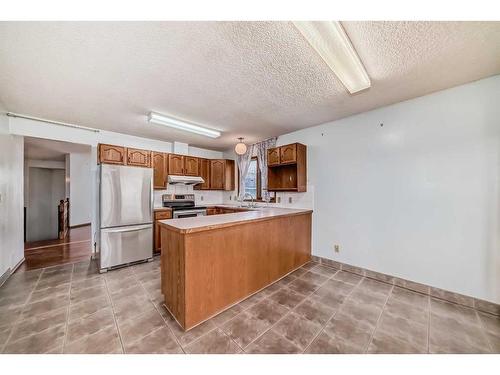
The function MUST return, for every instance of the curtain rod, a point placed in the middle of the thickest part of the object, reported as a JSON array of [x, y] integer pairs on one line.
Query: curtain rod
[[10, 114]]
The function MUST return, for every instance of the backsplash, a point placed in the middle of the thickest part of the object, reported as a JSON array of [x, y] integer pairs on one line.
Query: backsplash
[[298, 200], [202, 197], [206, 197]]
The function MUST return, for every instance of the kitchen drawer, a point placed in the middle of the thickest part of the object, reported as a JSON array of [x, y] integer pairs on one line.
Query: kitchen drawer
[[162, 215]]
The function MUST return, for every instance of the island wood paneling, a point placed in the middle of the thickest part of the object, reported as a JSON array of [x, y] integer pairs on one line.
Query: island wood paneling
[[205, 272]]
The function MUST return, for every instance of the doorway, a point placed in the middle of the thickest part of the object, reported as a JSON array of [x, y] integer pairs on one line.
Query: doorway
[[57, 196]]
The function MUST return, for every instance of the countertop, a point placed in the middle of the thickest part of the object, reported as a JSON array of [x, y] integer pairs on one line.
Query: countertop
[[201, 223]]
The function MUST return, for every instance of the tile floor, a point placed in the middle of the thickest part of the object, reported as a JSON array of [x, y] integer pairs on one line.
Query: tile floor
[[316, 309]]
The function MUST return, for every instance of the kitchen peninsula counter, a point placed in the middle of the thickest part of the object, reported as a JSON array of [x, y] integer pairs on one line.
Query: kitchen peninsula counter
[[201, 223], [210, 263]]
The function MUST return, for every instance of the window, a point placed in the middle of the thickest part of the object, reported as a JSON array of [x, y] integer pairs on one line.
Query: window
[[252, 180]]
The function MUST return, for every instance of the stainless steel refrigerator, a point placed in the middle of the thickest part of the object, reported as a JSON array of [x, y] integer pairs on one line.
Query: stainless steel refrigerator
[[126, 215]]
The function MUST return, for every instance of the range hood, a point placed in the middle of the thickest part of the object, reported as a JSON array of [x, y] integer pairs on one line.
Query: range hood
[[185, 180]]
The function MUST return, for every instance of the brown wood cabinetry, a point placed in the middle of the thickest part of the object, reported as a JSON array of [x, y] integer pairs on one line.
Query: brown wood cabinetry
[[138, 158], [175, 164], [221, 174], [204, 170], [273, 156], [172, 164], [192, 283], [110, 154], [159, 215], [191, 166], [290, 174], [288, 154], [159, 170]]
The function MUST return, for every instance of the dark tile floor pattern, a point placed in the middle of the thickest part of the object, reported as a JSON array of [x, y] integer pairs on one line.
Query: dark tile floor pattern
[[316, 309]]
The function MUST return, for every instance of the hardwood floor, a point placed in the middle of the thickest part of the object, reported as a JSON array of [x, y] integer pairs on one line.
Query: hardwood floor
[[76, 247]]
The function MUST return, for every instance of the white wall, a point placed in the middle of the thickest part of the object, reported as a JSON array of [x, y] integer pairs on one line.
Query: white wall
[[11, 197], [80, 188], [417, 198], [45, 190]]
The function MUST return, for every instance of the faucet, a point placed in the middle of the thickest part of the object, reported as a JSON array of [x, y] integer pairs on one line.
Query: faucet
[[250, 205]]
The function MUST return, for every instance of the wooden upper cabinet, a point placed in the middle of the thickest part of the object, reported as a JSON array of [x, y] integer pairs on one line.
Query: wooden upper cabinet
[[273, 156], [191, 166], [159, 170], [290, 174], [110, 154], [175, 164], [138, 158], [288, 154], [221, 174], [217, 168], [204, 170]]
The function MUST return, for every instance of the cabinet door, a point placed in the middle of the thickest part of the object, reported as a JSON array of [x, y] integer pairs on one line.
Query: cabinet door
[[273, 156], [204, 169], [175, 164], [190, 166], [157, 237], [217, 174], [110, 154], [138, 158], [159, 176], [211, 211], [288, 154]]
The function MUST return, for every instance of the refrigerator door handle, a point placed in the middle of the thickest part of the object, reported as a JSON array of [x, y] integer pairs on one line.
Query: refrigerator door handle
[[127, 229]]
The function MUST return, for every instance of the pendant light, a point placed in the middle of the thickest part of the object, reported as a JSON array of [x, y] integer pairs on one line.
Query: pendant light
[[240, 147]]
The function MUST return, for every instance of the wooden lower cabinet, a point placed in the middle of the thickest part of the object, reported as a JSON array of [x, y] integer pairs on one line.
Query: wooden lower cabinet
[[207, 271], [159, 215]]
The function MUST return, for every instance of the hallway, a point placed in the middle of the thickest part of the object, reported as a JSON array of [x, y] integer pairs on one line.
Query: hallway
[[76, 247]]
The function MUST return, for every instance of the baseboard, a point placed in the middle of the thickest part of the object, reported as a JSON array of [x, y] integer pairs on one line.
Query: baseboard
[[9, 272], [4, 277], [456, 298], [79, 225]]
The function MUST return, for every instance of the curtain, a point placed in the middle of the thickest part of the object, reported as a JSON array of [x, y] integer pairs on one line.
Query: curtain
[[262, 148], [243, 162]]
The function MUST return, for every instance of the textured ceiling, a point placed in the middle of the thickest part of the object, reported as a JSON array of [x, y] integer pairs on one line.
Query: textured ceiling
[[44, 149], [248, 79]]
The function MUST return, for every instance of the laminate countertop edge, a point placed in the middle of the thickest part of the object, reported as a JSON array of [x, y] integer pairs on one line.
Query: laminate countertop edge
[[230, 220]]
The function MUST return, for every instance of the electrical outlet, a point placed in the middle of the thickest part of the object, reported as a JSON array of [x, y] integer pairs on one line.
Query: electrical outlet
[[230, 197], [201, 198], [278, 199], [336, 248], [289, 199]]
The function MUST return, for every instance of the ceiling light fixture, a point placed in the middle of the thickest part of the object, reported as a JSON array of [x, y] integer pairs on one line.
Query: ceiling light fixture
[[182, 125], [331, 42], [240, 147]]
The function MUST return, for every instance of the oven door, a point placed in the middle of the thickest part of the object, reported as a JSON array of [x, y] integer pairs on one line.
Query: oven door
[[188, 213]]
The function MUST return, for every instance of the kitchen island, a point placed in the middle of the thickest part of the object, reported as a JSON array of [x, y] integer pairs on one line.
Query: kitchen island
[[210, 263]]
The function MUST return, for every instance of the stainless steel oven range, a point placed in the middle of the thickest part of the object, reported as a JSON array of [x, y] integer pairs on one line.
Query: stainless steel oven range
[[183, 205]]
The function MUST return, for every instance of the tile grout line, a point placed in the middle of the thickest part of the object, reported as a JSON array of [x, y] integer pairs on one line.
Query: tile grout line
[[378, 320], [483, 332], [16, 322], [290, 310], [68, 309], [336, 310], [156, 308], [245, 309], [114, 316], [429, 325]]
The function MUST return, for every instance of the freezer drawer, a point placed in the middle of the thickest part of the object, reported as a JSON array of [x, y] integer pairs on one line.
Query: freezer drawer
[[123, 245]]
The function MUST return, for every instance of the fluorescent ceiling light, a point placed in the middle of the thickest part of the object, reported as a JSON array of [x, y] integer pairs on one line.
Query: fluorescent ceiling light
[[331, 42], [182, 125]]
